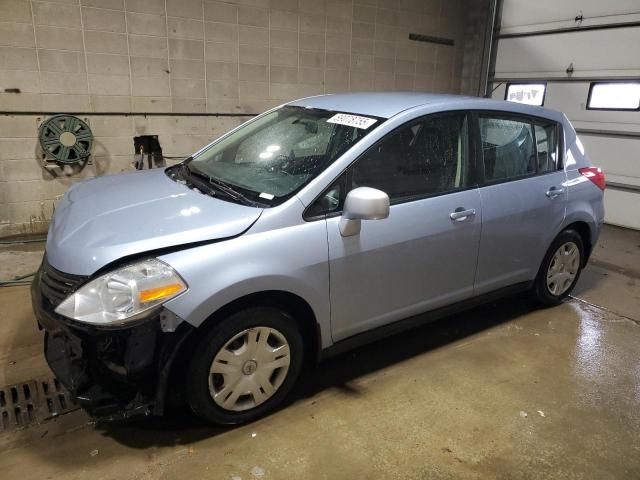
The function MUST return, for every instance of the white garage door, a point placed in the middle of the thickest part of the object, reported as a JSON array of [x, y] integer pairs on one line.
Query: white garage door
[[572, 45]]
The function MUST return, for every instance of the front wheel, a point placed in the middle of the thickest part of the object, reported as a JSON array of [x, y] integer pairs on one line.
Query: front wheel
[[560, 269], [245, 366]]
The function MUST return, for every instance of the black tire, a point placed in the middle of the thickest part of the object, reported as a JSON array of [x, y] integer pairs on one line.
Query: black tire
[[197, 381], [540, 291]]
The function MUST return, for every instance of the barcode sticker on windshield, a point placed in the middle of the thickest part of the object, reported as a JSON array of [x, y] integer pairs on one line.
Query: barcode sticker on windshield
[[352, 120]]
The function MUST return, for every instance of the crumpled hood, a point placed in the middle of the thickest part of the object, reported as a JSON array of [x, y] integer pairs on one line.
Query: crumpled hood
[[107, 218]]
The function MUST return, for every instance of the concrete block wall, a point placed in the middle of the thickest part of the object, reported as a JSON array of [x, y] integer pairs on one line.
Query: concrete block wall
[[28, 192], [199, 57]]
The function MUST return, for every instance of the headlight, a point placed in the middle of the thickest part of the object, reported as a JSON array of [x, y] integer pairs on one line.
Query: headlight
[[122, 295]]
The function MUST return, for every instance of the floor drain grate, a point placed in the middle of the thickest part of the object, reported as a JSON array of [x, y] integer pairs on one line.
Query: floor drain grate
[[33, 402]]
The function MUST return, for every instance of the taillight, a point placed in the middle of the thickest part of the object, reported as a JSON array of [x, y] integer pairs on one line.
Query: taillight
[[595, 174]]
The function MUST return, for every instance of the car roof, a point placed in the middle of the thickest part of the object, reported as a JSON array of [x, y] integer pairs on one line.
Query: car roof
[[388, 104]]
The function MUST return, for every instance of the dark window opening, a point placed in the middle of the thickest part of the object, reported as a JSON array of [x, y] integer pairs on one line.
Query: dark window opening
[[147, 152]]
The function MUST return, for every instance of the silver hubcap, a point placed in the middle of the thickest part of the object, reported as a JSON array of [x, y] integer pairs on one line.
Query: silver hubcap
[[563, 268], [249, 369]]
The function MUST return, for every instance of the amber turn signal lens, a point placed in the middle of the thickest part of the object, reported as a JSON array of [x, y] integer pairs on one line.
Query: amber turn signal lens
[[159, 293]]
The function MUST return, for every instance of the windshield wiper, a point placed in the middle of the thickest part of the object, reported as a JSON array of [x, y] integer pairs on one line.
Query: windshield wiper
[[230, 191], [221, 186]]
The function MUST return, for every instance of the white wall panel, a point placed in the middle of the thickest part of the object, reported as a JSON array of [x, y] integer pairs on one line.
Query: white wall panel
[[621, 208], [618, 157], [595, 52], [526, 13], [571, 98]]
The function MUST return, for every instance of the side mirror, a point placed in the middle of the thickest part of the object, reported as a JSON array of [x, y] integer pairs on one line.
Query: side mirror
[[363, 203]]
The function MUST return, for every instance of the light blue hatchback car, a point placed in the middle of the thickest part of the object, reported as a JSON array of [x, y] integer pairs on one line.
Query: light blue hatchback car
[[316, 226]]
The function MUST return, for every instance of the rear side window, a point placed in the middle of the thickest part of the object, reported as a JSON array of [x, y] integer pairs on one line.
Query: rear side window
[[423, 158], [514, 148], [508, 148]]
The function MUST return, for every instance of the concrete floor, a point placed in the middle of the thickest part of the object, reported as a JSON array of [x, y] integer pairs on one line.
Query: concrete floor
[[503, 391]]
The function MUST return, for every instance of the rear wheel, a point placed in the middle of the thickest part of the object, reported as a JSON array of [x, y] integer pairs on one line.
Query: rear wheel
[[244, 367], [560, 269]]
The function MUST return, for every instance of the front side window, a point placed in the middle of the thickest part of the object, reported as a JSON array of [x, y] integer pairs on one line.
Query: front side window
[[508, 148], [426, 157], [331, 200], [272, 157]]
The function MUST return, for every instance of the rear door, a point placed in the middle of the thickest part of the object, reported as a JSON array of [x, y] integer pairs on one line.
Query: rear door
[[523, 196], [420, 257]]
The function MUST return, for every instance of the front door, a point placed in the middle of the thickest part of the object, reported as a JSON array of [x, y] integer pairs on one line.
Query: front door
[[424, 254]]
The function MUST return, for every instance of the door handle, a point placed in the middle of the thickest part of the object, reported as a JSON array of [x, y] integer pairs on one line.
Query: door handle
[[553, 192], [460, 214]]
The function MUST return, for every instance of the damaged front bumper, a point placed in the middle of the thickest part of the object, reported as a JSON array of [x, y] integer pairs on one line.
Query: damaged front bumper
[[113, 373]]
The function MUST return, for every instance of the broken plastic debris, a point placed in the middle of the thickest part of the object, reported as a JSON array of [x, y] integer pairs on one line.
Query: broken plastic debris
[[94, 452], [253, 435], [541, 413], [523, 414]]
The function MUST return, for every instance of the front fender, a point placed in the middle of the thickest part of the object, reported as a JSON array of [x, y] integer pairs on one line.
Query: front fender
[[292, 259]]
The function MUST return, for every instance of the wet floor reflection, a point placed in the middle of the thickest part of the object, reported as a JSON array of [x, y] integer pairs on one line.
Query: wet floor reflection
[[605, 370], [589, 351]]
